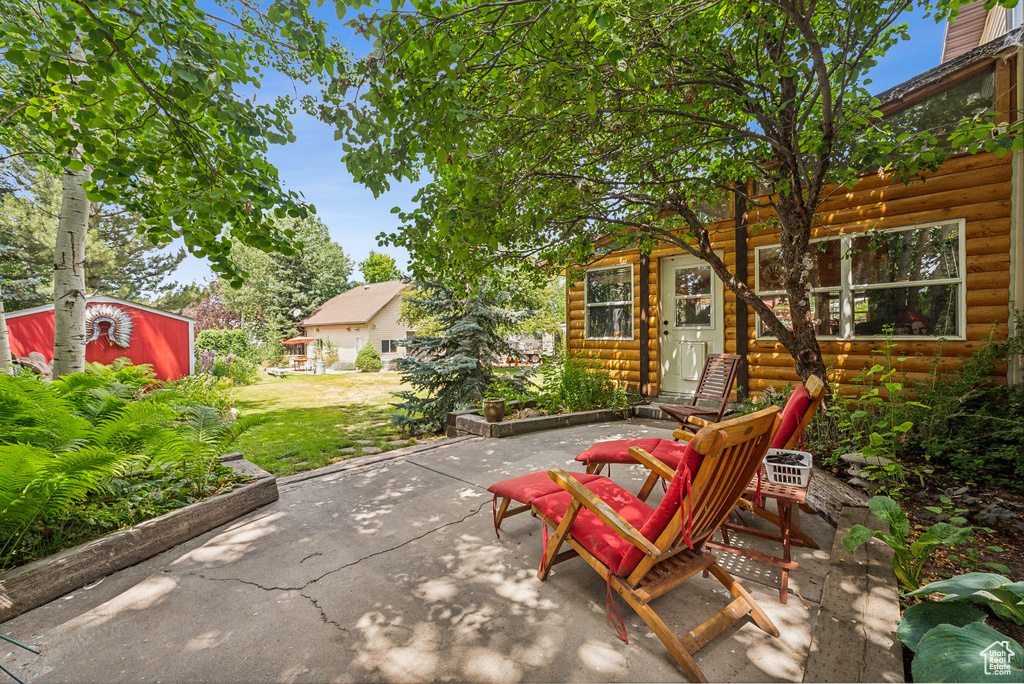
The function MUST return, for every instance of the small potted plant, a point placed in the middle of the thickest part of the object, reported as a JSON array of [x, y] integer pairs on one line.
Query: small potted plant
[[494, 406]]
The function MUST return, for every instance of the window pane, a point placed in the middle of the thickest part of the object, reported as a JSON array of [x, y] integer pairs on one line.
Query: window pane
[[908, 310], [610, 321], [693, 311], [827, 271], [825, 310], [906, 255], [693, 281], [940, 113], [610, 285]]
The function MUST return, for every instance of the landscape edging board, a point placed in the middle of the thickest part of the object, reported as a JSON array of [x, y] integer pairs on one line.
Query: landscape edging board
[[45, 579], [854, 634], [475, 424]]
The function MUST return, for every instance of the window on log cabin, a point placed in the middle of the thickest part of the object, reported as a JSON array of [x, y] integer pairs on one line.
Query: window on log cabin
[[909, 280], [609, 303]]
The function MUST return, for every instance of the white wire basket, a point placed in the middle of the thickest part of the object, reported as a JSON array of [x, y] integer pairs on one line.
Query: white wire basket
[[795, 474]]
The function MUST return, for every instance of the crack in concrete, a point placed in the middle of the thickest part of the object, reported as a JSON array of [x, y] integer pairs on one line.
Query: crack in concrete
[[303, 587], [448, 475]]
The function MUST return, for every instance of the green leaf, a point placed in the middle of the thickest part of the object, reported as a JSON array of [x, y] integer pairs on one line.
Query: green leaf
[[949, 653], [920, 618], [888, 511], [187, 76], [857, 536], [962, 585]]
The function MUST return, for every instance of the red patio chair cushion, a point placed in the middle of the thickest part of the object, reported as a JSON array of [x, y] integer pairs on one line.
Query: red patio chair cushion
[[528, 488], [794, 411], [673, 453], [588, 529], [615, 451], [689, 462]]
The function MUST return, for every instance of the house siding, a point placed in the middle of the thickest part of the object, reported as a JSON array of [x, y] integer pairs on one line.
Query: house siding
[[383, 326], [976, 188]]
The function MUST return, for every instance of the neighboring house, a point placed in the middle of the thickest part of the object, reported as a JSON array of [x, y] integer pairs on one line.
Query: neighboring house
[[364, 313], [949, 262], [115, 328]]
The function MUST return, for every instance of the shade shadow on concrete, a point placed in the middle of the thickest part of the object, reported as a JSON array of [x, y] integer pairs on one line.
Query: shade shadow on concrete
[[393, 573]]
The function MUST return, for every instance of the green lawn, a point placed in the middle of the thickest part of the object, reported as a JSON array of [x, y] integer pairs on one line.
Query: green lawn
[[311, 419]]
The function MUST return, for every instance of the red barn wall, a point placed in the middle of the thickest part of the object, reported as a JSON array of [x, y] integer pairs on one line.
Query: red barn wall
[[157, 339]]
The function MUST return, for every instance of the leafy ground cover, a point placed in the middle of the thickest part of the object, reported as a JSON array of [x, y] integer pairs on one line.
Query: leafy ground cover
[[316, 420]]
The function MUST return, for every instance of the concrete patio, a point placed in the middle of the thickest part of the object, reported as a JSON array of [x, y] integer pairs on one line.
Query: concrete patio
[[392, 572]]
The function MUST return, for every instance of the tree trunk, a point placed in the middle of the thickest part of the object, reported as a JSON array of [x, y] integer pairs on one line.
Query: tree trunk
[[69, 275], [5, 343]]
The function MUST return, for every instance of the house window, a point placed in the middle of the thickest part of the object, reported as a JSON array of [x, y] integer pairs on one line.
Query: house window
[[389, 346], [693, 303], [909, 279], [608, 303]]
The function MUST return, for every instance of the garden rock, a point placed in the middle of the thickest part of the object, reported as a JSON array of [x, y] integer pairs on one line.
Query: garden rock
[[870, 485], [862, 460], [371, 450], [347, 450], [398, 442], [364, 441]]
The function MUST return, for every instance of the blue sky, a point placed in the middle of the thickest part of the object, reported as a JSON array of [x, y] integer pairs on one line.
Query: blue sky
[[312, 165]]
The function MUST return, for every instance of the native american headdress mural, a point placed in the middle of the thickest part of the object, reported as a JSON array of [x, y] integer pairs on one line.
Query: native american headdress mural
[[118, 330]]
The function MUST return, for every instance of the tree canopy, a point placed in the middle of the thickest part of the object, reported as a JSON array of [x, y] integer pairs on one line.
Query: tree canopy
[[554, 133], [377, 268], [283, 289], [156, 98], [120, 261]]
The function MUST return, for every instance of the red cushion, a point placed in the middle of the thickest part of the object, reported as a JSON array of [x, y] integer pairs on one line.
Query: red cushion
[[588, 529], [527, 488], [656, 524], [794, 412], [672, 453], [616, 450]]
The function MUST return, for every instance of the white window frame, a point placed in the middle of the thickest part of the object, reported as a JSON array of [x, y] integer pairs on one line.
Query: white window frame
[[587, 304], [710, 295], [847, 289]]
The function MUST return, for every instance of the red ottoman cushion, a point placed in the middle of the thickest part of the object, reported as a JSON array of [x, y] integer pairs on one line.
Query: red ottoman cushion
[[588, 529], [615, 451], [527, 488]]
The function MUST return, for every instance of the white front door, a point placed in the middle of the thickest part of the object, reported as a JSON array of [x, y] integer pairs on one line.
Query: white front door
[[692, 323]]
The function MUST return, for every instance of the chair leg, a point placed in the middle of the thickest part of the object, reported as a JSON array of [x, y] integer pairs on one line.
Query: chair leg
[[667, 637], [505, 501], [760, 617], [594, 468], [557, 539], [648, 487]]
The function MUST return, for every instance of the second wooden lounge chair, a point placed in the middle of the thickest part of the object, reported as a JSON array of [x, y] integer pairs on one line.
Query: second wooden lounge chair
[[644, 553], [713, 388]]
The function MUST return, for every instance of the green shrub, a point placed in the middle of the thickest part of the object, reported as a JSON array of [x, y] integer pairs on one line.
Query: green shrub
[[236, 342], [202, 389], [973, 427], [578, 384], [368, 359]]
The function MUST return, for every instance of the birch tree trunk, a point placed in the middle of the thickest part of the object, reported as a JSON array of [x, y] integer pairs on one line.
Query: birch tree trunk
[[69, 275], [5, 343]]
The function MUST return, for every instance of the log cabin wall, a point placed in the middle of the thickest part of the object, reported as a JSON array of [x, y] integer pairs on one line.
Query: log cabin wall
[[974, 188]]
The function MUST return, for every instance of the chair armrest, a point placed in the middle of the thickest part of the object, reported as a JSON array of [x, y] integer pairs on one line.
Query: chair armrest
[[606, 513], [651, 463], [683, 435], [700, 422]]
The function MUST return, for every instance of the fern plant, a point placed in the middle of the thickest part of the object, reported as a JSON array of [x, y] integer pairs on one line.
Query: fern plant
[[62, 440]]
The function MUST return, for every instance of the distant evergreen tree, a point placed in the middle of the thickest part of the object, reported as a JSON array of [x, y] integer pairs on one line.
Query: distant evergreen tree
[[453, 369]]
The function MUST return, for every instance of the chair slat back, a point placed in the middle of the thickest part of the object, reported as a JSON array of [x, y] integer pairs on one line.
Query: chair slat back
[[723, 476], [716, 378]]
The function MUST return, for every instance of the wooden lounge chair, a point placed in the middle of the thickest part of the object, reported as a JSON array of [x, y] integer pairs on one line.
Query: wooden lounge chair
[[714, 387], [644, 553]]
